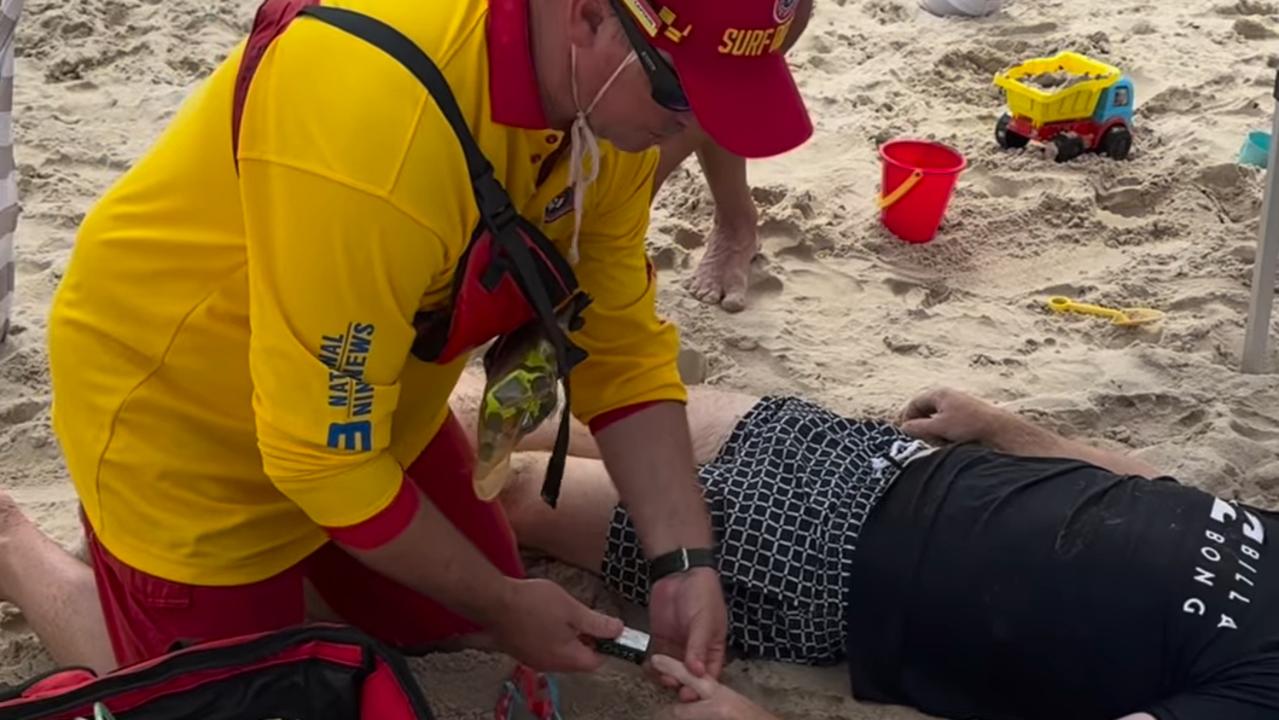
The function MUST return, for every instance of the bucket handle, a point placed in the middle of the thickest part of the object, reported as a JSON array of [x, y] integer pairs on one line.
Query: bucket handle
[[887, 201]]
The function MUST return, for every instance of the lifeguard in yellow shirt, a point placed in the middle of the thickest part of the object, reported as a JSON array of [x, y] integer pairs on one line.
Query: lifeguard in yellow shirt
[[254, 343]]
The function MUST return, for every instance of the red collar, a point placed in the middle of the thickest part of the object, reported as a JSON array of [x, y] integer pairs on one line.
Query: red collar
[[513, 87]]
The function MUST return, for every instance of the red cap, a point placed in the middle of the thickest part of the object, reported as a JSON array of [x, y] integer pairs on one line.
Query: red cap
[[728, 55]]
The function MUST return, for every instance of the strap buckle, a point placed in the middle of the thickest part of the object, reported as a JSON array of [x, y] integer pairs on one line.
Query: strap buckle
[[495, 205]]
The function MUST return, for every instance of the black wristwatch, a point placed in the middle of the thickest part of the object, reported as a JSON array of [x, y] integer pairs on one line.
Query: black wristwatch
[[678, 561]]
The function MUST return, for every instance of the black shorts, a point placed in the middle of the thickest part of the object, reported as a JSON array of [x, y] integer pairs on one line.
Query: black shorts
[[1010, 588], [787, 496]]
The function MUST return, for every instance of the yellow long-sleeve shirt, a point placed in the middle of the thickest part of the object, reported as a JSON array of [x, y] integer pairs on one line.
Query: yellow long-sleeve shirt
[[230, 354]]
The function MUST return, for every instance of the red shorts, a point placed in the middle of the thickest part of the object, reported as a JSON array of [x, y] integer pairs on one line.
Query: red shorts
[[146, 616]]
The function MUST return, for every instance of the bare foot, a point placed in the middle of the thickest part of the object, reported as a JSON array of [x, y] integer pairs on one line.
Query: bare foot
[[722, 276]]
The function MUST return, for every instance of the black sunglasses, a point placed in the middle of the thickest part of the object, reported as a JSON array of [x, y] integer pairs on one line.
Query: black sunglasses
[[667, 91]]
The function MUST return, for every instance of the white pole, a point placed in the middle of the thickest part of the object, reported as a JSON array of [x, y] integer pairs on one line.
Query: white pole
[[1266, 264], [10, 11]]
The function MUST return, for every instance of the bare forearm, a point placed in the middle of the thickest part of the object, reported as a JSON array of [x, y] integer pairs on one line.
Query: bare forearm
[[1017, 436], [650, 458], [433, 558]]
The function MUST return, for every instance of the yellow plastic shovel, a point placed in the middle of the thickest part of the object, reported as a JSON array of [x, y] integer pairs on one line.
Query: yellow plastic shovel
[[1124, 317]]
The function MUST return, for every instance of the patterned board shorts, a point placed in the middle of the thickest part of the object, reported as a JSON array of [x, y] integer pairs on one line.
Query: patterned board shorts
[[787, 497]]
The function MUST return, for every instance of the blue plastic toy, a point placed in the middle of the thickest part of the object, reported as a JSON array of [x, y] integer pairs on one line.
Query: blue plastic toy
[[1256, 149]]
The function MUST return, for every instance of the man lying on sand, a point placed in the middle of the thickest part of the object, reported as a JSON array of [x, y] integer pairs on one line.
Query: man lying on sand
[[1000, 571]]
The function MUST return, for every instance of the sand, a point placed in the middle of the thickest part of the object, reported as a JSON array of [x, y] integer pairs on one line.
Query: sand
[[839, 309], [1056, 80]]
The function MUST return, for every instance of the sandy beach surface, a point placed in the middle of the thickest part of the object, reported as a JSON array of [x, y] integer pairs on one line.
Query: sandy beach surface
[[840, 310]]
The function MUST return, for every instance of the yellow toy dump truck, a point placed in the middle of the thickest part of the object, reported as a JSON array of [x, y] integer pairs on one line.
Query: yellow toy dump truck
[[1069, 101]]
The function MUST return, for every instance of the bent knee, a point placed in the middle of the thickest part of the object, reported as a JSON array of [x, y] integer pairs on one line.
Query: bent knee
[[521, 496]]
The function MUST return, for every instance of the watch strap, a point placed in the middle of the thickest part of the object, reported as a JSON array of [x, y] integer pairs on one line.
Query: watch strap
[[678, 561]]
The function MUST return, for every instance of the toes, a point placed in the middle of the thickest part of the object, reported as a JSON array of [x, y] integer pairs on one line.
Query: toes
[[705, 289], [710, 295], [733, 302], [735, 284]]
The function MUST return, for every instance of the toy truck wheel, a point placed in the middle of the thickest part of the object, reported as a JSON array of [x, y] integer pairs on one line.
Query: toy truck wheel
[[1117, 142], [1006, 138], [1069, 146]]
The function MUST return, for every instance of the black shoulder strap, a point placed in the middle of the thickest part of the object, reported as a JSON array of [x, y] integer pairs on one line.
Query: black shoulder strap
[[493, 201], [496, 208]]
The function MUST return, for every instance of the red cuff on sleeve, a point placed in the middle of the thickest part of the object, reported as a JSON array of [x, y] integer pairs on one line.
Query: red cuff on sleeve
[[603, 420], [386, 525]]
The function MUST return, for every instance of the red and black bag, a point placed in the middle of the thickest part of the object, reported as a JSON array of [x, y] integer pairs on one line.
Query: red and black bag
[[511, 277], [318, 672]]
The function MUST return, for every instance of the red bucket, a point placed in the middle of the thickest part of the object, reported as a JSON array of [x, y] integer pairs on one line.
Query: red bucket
[[919, 178]]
